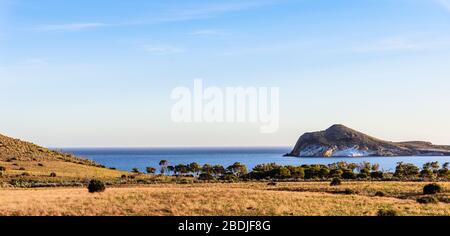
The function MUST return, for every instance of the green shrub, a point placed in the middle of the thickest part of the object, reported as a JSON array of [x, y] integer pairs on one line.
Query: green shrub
[[335, 182], [230, 178], [348, 174], [336, 173], [123, 176], [324, 173], [427, 200], [205, 176], [135, 170], [377, 175], [432, 189], [96, 186], [444, 173], [380, 194], [406, 170], [365, 171], [362, 176], [384, 212]]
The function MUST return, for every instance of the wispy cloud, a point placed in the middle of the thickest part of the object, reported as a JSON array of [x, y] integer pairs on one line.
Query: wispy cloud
[[36, 62], [162, 49], [389, 44], [208, 32], [445, 4], [186, 13], [70, 27], [394, 44]]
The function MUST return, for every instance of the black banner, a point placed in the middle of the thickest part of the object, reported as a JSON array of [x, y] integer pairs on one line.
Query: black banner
[[226, 225]]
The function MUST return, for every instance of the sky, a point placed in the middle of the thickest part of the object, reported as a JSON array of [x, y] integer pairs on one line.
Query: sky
[[99, 73]]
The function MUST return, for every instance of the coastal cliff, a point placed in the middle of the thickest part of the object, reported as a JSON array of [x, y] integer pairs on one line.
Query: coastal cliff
[[341, 141]]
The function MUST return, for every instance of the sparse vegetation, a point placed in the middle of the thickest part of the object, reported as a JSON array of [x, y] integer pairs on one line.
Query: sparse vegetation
[[384, 212], [335, 182], [427, 200], [217, 199]]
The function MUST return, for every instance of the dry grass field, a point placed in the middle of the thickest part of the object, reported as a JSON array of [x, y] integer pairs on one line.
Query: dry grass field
[[240, 199]]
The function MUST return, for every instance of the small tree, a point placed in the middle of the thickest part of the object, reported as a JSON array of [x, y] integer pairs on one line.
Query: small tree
[[150, 170], [238, 169], [406, 170], [181, 169], [135, 170], [207, 169], [283, 173], [195, 168], [171, 169], [218, 170], [163, 166]]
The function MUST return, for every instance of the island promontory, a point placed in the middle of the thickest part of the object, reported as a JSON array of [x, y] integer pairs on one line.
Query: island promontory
[[341, 141]]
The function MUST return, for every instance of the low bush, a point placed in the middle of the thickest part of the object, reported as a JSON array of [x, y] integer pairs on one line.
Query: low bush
[[272, 184], [53, 174], [335, 182], [205, 176], [432, 189], [96, 186], [40, 164], [123, 176], [377, 175], [349, 191], [348, 174], [21, 168], [2, 168], [362, 176], [427, 200], [384, 212], [230, 178], [380, 194]]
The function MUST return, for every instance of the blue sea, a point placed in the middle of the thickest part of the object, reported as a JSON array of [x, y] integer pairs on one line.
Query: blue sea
[[129, 158]]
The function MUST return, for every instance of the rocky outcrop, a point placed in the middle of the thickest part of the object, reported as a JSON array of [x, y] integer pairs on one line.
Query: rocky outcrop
[[341, 141]]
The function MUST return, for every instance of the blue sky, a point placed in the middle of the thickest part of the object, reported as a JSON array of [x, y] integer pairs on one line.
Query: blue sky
[[100, 73]]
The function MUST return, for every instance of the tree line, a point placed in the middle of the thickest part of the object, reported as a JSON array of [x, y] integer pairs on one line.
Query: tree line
[[344, 170]]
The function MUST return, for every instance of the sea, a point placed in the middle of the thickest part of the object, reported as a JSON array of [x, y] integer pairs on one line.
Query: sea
[[129, 158]]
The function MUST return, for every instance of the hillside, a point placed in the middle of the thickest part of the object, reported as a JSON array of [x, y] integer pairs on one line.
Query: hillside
[[18, 150], [341, 141], [29, 162]]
